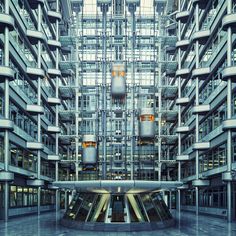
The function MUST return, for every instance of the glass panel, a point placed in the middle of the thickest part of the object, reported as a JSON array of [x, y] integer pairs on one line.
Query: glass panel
[[161, 206], [98, 211], [85, 207], [73, 207], [137, 214], [150, 209], [12, 196], [25, 197], [19, 196], [1, 195], [141, 207]]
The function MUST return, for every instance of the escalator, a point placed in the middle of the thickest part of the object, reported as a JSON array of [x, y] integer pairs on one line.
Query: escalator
[[123, 212], [118, 205], [73, 207]]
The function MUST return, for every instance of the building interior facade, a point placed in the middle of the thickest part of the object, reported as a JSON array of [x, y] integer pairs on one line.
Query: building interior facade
[[118, 113]]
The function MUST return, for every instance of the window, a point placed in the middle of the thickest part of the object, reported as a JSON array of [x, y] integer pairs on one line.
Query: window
[[213, 158], [1, 106], [19, 196], [189, 198], [1, 150], [213, 197], [48, 197], [1, 196], [234, 104], [31, 197], [13, 196], [25, 196], [23, 158]]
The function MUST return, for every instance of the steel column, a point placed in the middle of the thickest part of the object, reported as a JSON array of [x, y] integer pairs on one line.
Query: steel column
[[229, 115]]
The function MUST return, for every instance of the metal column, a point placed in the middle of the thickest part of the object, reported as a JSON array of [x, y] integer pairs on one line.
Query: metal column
[[104, 9], [77, 98], [7, 115], [197, 103], [229, 115], [179, 113], [39, 135], [159, 97], [57, 109], [132, 8]]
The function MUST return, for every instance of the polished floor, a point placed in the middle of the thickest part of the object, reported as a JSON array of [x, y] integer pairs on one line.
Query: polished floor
[[48, 224]]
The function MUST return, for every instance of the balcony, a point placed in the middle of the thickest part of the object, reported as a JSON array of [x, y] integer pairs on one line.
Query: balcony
[[6, 72], [67, 115], [53, 129], [34, 145], [200, 182], [182, 158], [6, 21], [201, 146], [127, 1], [53, 16], [229, 124], [6, 124], [184, 186], [35, 73], [35, 182], [201, 109], [34, 109], [201, 3], [169, 139], [182, 129], [53, 44], [66, 50], [182, 16], [202, 36], [66, 73], [169, 115], [170, 73], [53, 158], [229, 73], [170, 49], [169, 91], [201, 73], [183, 44], [229, 21], [66, 139], [6, 176], [182, 101], [34, 36], [228, 176], [34, 3], [66, 92], [53, 101], [53, 73], [183, 73]]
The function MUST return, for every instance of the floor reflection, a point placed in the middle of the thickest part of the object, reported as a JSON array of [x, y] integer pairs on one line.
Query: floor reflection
[[186, 224]]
